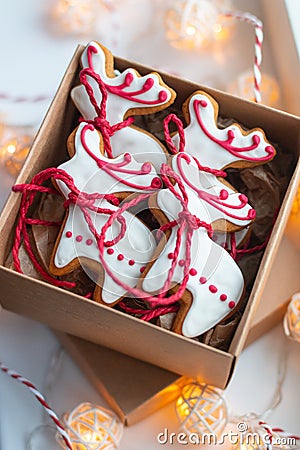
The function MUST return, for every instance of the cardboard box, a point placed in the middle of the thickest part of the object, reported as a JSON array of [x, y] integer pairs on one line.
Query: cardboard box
[[93, 322], [135, 389]]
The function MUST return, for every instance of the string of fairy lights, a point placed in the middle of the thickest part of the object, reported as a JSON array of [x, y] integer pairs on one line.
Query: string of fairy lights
[[190, 25]]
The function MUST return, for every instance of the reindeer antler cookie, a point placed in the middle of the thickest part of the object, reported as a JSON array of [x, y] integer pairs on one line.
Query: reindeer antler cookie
[[76, 245], [220, 148], [128, 94]]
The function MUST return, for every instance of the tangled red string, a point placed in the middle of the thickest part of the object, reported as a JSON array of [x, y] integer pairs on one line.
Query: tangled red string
[[236, 253], [83, 200], [186, 221], [100, 122], [148, 314], [173, 149]]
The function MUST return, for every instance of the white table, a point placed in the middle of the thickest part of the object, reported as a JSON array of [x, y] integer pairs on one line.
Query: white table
[[33, 61]]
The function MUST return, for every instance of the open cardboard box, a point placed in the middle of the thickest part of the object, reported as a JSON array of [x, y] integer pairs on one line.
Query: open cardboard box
[[93, 322], [135, 389]]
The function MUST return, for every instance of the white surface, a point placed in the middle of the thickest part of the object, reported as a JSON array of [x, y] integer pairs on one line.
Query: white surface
[[28, 347], [33, 61]]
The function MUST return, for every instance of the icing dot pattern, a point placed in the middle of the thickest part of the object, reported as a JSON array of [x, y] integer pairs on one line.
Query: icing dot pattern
[[213, 289]]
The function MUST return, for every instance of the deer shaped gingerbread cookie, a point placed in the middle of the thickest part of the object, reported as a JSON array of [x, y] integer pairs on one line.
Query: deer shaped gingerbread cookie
[[128, 94], [76, 245], [215, 284], [221, 148]]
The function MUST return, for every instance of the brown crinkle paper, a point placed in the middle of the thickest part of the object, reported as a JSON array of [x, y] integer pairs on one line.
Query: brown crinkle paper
[[264, 186]]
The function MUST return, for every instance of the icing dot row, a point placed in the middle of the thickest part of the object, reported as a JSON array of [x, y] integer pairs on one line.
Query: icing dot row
[[120, 257], [79, 238], [213, 289]]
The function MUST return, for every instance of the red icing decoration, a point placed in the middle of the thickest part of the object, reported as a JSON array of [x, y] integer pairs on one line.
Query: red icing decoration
[[120, 257], [91, 49], [131, 262], [79, 238], [142, 269], [89, 241], [162, 96], [217, 201], [156, 183], [202, 280], [224, 194], [181, 263], [171, 255], [239, 152], [193, 272], [223, 297], [213, 289], [243, 198], [252, 213], [146, 167], [112, 167], [231, 304], [110, 251], [128, 80], [69, 234]]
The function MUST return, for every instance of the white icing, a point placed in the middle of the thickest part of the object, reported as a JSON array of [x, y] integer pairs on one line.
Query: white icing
[[210, 184], [137, 244], [210, 153], [224, 239], [208, 258], [140, 144]]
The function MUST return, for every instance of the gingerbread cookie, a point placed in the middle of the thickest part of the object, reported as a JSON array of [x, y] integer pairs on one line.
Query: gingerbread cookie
[[215, 283], [76, 245], [220, 148], [128, 94]]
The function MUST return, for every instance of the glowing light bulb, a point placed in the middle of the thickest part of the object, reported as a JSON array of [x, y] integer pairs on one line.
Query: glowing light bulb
[[193, 24], [92, 427], [190, 30], [201, 409], [218, 28], [291, 322], [11, 148], [14, 151], [243, 87]]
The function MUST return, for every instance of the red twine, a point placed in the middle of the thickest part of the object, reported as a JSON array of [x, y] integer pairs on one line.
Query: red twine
[[83, 200], [173, 149], [100, 122], [186, 221], [41, 399]]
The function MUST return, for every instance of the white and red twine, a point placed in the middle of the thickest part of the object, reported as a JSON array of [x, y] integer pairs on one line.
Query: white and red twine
[[41, 399]]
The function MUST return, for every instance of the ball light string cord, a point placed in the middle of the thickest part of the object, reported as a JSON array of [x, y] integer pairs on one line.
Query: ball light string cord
[[59, 427], [277, 394], [52, 374]]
